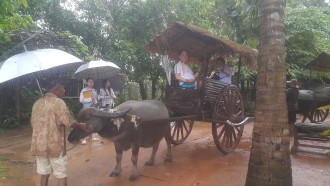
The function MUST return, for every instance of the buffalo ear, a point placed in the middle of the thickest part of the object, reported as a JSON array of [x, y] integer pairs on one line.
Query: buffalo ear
[[115, 114], [84, 114]]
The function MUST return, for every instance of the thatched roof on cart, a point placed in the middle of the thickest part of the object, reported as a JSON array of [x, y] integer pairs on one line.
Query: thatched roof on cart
[[198, 42], [320, 63]]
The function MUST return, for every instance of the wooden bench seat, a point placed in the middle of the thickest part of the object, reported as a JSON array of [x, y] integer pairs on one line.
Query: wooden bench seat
[[304, 132]]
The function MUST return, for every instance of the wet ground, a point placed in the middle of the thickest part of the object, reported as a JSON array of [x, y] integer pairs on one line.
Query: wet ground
[[195, 162]]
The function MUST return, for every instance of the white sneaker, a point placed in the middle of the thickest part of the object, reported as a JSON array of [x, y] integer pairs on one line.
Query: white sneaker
[[83, 142]]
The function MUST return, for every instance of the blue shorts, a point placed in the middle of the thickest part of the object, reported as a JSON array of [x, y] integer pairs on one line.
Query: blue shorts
[[187, 85]]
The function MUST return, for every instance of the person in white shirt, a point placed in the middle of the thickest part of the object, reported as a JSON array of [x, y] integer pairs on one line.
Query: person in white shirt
[[224, 73], [183, 73], [88, 102], [107, 95]]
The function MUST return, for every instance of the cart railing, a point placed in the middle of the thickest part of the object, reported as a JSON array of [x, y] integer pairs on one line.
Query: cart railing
[[212, 89]]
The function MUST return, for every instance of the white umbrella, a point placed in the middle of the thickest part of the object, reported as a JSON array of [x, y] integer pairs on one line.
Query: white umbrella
[[97, 70], [37, 63]]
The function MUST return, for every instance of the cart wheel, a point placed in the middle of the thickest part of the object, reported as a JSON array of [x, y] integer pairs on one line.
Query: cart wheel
[[226, 137], [318, 115], [180, 130], [229, 106]]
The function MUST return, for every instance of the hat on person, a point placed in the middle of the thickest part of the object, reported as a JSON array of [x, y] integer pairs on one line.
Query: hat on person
[[293, 83]]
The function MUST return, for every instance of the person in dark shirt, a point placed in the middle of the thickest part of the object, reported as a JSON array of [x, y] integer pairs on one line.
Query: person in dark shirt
[[292, 93], [223, 73]]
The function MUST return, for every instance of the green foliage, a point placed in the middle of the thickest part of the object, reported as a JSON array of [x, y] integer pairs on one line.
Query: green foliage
[[240, 19], [12, 17], [8, 121], [307, 3], [249, 107], [307, 35], [186, 12], [3, 171], [29, 96], [74, 106]]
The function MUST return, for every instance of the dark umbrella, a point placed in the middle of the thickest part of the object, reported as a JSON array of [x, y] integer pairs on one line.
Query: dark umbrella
[[117, 82]]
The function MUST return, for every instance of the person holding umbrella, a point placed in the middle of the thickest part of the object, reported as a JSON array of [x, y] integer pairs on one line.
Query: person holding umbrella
[[88, 97], [49, 118], [107, 95]]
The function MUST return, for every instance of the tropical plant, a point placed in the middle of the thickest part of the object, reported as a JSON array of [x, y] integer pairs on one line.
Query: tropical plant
[[8, 121], [12, 17]]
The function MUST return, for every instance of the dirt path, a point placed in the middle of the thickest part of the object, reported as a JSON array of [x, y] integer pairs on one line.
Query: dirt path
[[195, 162]]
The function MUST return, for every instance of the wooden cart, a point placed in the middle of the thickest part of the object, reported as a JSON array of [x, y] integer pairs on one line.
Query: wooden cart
[[220, 104], [314, 104]]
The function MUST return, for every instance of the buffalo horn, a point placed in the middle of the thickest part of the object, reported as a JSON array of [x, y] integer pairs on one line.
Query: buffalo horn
[[103, 114]]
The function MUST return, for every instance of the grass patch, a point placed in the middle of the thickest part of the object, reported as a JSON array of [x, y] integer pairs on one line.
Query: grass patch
[[3, 171], [2, 159]]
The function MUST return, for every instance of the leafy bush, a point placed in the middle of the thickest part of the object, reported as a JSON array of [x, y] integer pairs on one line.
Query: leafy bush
[[3, 171], [249, 107], [8, 121], [29, 96], [74, 106]]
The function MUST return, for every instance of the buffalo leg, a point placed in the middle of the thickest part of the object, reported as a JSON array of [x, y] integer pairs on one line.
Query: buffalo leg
[[119, 155], [168, 140], [135, 153], [151, 161]]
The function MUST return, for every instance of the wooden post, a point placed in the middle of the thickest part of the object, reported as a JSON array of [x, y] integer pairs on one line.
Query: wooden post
[[239, 71]]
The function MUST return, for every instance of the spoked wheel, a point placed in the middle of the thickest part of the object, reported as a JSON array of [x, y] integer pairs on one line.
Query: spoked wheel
[[318, 115], [229, 106], [180, 130]]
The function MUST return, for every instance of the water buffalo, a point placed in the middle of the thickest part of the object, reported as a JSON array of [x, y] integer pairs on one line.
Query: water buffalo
[[310, 100], [127, 131]]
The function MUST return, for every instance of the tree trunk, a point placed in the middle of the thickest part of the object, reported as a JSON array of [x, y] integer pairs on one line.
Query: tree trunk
[[270, 162], [153, 87], [143, 90]]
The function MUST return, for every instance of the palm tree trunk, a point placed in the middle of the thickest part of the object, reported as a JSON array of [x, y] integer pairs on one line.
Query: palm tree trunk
[[143, 91], [270, 162], [153, 88]]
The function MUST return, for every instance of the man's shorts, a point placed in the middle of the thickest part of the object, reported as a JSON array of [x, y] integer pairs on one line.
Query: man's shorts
[[57, 166]]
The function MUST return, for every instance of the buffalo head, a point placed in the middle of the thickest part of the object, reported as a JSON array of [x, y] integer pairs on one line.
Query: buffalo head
[[96, 121]]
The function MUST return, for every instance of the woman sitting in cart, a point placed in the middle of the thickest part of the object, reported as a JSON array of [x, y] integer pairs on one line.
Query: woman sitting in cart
[[223, 73], [183, 73]]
